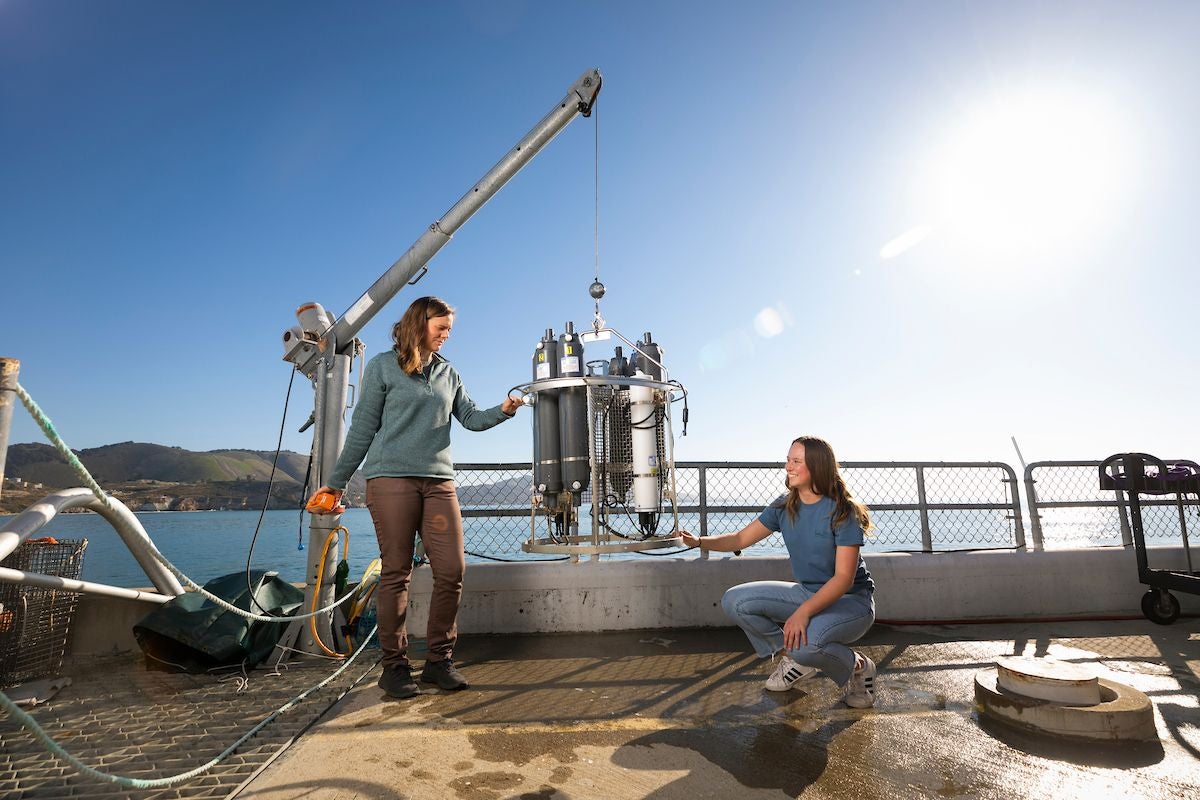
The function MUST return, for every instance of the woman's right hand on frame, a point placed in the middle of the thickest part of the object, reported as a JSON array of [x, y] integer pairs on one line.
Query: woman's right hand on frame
[[510, 405], [325, 501], [688, 539]]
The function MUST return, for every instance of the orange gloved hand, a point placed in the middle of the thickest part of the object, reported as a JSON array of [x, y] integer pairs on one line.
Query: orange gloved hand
[[325, 501]]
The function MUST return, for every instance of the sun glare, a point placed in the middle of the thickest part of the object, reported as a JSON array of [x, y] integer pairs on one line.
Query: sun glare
[[1027, 174], [905, 241]]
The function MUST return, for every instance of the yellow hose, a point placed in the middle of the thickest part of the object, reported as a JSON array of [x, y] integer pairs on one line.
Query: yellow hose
[[366, 590], [371, 574], [312, 621]]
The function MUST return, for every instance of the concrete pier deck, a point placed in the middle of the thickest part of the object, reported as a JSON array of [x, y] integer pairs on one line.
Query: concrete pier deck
[[634, 714], [682, 714]]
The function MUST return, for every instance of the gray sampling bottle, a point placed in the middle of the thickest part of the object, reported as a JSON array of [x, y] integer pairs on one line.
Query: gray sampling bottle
[[572, 414], [547, 457]]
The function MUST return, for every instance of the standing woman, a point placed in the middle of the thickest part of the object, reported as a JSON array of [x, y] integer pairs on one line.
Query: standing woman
[[401, 425], [831, 604]]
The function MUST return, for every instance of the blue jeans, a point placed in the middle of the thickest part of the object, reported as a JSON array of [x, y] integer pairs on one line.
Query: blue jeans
[[761, 608]]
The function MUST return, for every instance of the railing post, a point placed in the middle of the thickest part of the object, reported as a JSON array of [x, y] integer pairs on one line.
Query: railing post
[[1018, 524], [9, 368], [1035, 514], [703, 506], [926, 533], [1123, 515]]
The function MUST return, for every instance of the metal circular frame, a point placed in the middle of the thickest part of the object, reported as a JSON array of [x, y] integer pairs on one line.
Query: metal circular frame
[[546, 384], [583, 545]]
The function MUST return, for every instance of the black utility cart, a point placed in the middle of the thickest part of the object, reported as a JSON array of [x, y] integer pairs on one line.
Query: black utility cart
[[1137, 474]]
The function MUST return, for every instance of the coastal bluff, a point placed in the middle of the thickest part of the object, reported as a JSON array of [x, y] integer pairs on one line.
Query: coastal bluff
[[157, 477]]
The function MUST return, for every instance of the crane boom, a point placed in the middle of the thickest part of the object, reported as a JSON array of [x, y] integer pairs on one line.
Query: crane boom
[[578, 101]]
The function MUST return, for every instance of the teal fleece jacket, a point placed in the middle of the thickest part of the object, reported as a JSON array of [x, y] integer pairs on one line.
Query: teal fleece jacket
[[401, 423]]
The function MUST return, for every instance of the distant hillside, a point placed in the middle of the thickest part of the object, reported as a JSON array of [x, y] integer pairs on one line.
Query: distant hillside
[[133, 461], [153, 476], [507, 492]]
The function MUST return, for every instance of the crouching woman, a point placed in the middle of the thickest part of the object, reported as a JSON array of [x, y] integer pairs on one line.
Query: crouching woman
[[809, 623]]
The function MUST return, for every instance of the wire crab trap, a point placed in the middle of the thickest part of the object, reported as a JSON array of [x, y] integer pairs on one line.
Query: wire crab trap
[[35, 622]]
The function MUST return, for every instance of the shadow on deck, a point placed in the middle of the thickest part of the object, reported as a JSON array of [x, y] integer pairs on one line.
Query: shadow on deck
[[649, 714]]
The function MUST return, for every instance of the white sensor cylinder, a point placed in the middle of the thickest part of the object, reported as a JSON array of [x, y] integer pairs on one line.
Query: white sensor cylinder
[[644, 440]]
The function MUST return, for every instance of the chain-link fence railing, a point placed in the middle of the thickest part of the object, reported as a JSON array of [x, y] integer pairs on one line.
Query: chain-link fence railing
[[922, 506], [916, 506], [495, 500], [1067, 508]]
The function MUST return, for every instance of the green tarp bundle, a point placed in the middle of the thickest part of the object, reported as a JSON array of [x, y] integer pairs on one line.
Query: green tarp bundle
[[193, 634]]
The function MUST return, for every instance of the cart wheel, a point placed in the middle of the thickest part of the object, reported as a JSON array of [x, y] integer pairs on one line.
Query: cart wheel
[[1160, 606]]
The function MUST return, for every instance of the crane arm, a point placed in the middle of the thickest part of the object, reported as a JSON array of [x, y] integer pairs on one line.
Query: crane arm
[[578, 101]]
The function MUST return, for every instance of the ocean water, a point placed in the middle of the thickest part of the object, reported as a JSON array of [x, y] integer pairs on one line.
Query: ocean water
[[208, 544]]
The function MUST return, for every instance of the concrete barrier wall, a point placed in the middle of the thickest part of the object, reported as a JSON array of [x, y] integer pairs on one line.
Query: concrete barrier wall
[[105, 624], [657, 592]]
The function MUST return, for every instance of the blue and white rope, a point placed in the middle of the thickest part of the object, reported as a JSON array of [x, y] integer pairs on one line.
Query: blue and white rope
[[48, 428]]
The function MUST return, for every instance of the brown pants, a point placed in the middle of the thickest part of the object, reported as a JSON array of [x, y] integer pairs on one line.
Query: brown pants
[[400, 507]]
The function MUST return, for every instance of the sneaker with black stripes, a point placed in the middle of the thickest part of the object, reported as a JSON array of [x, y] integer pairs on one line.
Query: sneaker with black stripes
[[860, 691], [787, 674]]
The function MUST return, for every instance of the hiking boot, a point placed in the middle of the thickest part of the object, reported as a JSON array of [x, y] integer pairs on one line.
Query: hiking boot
[[398, 682], [444, 675], [860, 691], [787, 674]]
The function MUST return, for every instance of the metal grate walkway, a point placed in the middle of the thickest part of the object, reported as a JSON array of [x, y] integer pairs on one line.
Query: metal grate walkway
[[120, 717]]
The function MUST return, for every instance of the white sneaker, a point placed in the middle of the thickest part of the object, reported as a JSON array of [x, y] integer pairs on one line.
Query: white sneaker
[[860, 691], [787, 674]]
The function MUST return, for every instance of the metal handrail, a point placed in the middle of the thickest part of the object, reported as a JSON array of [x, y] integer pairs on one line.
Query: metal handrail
[[699, 503], [1037, 505]]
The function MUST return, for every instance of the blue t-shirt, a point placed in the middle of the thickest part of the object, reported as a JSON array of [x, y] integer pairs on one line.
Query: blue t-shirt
[[812, 542]]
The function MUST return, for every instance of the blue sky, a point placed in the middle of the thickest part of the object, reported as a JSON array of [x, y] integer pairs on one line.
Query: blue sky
[[913, 228]]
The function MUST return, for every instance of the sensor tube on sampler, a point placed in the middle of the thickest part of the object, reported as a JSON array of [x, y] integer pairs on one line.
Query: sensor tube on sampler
[[547, 455], [572, 414], [643, 426], [619, 448]]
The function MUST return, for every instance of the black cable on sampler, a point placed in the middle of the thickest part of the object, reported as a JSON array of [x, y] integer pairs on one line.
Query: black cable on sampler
[[266, 500], [612, 500], [683, 397], [515, 560], [668, 553]]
